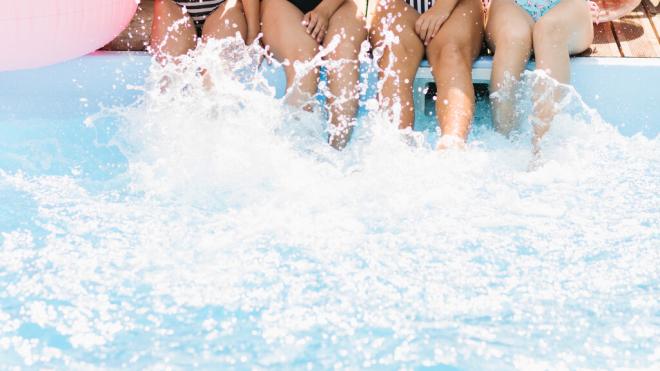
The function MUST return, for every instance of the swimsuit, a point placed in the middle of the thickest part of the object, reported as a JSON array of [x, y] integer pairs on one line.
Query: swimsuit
[[305, 5], [420, 5], [537, 8], [199, 9]]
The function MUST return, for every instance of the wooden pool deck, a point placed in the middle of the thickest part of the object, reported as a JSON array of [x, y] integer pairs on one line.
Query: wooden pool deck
[[636, 35]]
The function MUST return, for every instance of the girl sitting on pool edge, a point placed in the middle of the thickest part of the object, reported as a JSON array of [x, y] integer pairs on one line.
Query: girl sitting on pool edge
[[295, 31], [450, 33], [553, 29], [205, 19]]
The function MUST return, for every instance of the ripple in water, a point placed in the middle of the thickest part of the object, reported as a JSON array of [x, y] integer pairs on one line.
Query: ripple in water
[[238, 237]]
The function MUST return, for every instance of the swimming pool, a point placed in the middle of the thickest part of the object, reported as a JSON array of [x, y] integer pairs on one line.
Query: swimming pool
[[212, 232]]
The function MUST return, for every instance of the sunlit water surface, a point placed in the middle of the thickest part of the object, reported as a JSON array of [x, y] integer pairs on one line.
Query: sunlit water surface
[[218, 229]]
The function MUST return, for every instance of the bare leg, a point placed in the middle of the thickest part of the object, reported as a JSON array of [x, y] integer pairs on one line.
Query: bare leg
[[288, 40], [566, 29], [509, 34], [399, 62], [349, 24], [451, 53], [172, 33], [225, 21]]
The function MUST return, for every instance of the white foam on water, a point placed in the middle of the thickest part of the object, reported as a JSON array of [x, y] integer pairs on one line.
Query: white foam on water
[[244, 239]]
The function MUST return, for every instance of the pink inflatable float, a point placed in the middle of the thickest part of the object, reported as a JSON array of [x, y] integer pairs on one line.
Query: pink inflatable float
[[609, 10], [35, 33]]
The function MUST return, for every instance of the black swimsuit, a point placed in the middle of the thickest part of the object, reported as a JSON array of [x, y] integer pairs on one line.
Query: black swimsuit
[[305, 5]]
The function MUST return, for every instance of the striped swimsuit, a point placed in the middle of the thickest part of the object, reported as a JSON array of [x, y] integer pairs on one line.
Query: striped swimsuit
[[199, 9], [420, 5]]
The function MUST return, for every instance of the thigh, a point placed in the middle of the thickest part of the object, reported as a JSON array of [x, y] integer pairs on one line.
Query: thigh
[[284, 34], [349, 23], [393, 38], [167, 40], [573, 19], [463, 29], [505, 18], [225, 21], [393, 18]]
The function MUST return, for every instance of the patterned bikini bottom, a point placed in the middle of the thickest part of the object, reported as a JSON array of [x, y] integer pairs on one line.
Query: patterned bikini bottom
[[537, 8]]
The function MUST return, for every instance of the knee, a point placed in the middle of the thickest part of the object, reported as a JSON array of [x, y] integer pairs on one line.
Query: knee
[[386, 19], [450, 54], [347, 47], [408, 51], [304, 54], [548, 31], [344, 50], [514, 36]]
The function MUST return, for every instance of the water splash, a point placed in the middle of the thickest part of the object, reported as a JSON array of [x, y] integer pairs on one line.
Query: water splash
[[243, 239]]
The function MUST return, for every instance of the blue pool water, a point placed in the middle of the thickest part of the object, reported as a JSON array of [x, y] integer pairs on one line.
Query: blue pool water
[[217, 229]]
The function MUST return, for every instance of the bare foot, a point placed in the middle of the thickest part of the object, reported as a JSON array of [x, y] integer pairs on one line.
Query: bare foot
[[450, 142], [540, 128], [340, 136], [537, 160]]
